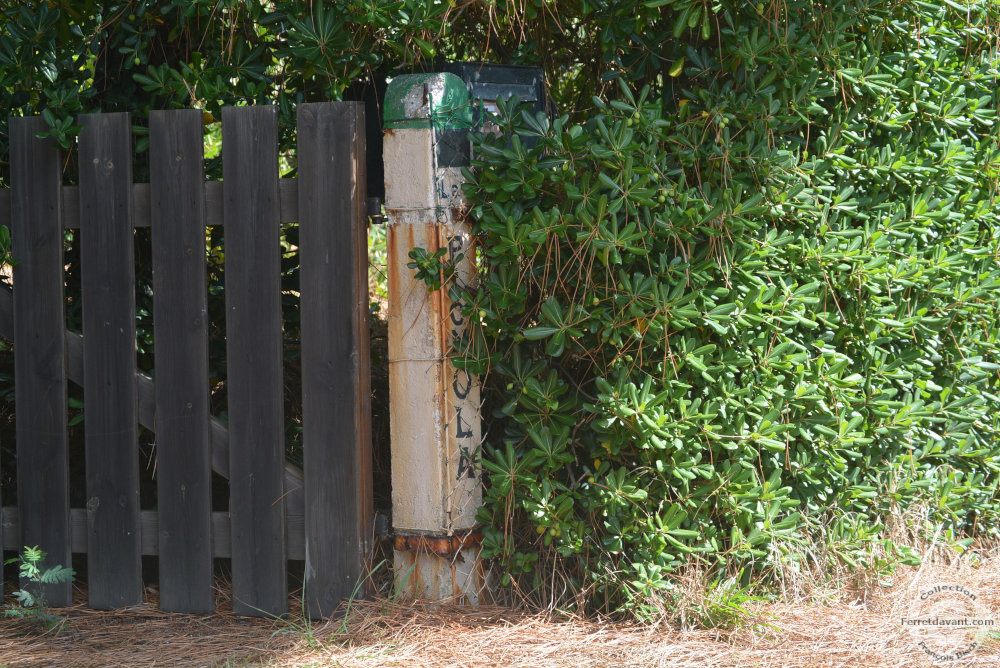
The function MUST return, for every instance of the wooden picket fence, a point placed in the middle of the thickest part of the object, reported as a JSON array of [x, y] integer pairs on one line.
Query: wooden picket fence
[[321, 514]]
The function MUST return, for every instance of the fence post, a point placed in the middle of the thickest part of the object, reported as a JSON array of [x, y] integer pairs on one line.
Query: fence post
[[434, 421], [40, 350], [336, 409], [251, 211]]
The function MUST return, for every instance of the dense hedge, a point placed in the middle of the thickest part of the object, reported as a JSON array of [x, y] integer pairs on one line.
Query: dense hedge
[[749, 310]]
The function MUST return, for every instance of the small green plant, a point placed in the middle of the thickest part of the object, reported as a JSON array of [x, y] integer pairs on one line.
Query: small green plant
[[432, 268], [31, 606], [723, 603]]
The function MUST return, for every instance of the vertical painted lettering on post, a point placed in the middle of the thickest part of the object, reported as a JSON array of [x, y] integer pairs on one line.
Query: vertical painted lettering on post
[[463, 390]]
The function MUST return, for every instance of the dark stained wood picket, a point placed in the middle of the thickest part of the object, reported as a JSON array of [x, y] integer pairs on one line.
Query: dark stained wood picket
[[40, 353], [254, 358], [180, 320], [335, 365], [114, 564], [277, 512]]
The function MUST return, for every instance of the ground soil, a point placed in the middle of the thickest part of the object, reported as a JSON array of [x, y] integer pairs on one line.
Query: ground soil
[[854, 622]]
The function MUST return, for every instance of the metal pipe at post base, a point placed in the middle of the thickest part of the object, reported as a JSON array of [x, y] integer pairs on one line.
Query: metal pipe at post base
[[434, 417]]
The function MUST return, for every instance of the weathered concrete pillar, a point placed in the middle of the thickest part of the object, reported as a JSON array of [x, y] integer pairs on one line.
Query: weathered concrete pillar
[[434, 421]]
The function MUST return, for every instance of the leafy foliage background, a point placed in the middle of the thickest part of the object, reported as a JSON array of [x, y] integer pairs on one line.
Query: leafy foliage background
[[746, 318], [738, 300]]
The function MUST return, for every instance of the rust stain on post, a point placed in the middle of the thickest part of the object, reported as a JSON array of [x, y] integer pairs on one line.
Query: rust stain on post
[[443, 546]]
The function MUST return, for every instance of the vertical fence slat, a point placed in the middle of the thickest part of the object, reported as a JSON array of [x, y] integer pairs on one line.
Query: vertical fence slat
[[180, 321], [39, 348], [254, 358], [110, 395], [336, 419]]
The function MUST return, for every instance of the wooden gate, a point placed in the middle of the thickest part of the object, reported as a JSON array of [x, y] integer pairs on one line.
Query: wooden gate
[[320, 514]]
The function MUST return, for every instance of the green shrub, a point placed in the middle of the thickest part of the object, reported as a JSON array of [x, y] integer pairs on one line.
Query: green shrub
[[751, 307]]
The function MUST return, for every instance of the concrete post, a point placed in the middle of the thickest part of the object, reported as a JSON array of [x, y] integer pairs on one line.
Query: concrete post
[[435, 425]]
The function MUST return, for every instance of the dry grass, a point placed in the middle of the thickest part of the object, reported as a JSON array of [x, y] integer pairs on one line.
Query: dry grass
[[855, 624]]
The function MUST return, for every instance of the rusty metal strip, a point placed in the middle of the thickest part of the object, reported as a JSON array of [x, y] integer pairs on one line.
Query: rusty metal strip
[[443, 546]]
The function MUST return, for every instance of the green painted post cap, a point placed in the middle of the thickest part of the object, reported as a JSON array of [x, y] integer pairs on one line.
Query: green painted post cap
[[421, 101]]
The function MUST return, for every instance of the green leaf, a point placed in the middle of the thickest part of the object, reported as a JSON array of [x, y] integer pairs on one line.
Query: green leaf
[[540, 332], [677, 67]]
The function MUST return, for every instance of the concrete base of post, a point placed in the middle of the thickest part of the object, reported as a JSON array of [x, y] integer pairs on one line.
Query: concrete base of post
[[441, 568]]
